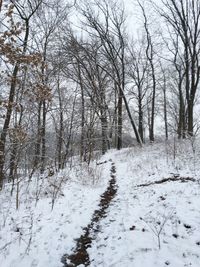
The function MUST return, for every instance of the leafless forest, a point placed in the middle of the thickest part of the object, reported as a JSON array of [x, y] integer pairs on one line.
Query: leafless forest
[[80, 78]]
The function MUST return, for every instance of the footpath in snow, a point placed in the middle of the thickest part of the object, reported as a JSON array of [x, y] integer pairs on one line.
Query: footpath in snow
[[80, 254]]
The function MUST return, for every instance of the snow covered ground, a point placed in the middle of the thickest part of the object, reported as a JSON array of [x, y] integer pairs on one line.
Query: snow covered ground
[[36, 235], [155, 226]]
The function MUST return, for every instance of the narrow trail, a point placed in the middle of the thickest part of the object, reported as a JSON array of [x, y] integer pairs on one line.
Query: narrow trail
[[80, 254]]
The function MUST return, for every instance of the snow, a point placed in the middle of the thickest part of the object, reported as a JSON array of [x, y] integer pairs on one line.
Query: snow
[[50, 233], [137, 220]]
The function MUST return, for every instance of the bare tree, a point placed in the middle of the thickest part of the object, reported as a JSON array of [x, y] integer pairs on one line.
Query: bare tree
[[184, 18], [138, 73], [111, 33], [25, 16], [150, 54]]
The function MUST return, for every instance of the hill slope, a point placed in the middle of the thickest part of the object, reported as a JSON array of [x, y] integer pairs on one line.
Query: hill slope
[[151, 221]]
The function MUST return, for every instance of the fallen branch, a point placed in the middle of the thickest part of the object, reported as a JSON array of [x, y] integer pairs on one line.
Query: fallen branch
[[170, 179]]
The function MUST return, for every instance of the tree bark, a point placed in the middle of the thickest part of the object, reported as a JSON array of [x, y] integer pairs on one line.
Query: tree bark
[[7, 122]]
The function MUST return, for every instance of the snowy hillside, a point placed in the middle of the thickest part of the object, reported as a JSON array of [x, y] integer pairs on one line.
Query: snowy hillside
[[141, 218]]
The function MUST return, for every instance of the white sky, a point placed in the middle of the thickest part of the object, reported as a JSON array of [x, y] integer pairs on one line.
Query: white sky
[[134, 19]]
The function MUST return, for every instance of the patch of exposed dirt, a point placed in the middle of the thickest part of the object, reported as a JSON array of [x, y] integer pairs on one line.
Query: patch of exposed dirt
[[80, 254]]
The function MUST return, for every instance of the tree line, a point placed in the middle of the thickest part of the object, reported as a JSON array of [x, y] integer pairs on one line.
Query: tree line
[[78, 78]]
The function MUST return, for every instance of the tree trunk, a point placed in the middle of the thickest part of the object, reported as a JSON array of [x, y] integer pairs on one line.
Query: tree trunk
[[43, 136], [131, 120], [165, 109], [7, 122], [13, 160], [190, 117], [151, 136], [119, 122], [60, 135], [140, 117], [38, 138], [82, 146], [104, 131], [181, 119]]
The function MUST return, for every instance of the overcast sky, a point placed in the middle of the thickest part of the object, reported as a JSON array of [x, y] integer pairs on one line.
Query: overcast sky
[[134, 18]]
